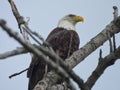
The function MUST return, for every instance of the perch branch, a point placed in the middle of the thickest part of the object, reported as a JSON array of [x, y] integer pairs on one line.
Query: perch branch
[[94, 43]]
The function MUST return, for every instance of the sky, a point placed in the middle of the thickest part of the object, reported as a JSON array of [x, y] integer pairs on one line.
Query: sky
[[44, 16]]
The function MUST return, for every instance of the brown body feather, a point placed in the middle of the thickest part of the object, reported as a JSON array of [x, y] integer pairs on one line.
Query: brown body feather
[[64, 42]]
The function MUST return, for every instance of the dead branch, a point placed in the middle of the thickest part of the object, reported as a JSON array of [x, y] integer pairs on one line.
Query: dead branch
[[115, 14], [15, 74], [107, 61], [17, 51], [94, 43], [110, 44], [17, 15], [103, 64], [23, 26]]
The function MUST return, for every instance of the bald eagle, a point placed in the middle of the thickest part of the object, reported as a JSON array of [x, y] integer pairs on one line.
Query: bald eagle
[[64, 41]]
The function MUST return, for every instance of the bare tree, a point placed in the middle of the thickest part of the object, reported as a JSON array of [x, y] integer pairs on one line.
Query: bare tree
[[62, 69]]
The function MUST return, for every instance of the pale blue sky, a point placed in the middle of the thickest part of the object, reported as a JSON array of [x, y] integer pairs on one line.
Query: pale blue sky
[[44, 16]]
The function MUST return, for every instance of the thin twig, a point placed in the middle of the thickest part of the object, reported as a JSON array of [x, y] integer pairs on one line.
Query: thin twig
[[100, 56], [15, 74], [17, 15], [110, 44], [115, 14], [20, 21], [114, 43]]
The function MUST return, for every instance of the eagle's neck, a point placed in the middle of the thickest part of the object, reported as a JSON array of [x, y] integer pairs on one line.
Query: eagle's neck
[[66, 24]]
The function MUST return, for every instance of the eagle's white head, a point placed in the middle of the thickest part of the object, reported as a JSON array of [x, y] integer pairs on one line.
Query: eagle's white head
[[69, 21]]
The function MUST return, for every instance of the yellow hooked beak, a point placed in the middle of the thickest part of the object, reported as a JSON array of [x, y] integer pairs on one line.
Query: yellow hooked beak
[[78, 18]]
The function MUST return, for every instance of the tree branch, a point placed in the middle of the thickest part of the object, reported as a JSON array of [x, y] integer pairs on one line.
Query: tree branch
[[103, 64], [115, 14], [107, 61], [15, 74], [17, 51], [23, 25], [94, 43]]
